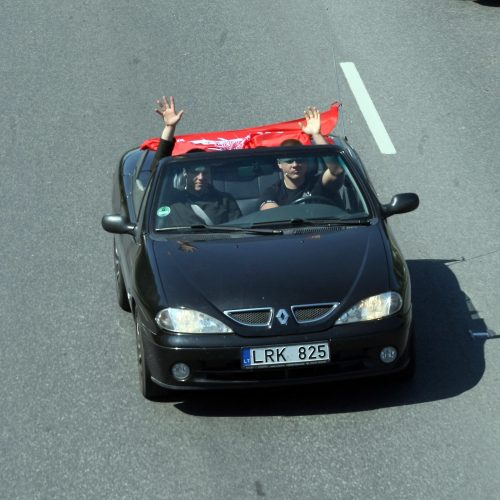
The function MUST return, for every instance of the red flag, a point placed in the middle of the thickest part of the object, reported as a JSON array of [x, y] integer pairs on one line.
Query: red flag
[[266, 135]]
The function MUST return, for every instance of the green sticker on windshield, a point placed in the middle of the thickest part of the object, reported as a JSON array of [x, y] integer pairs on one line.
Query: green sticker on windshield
[[163, 211]]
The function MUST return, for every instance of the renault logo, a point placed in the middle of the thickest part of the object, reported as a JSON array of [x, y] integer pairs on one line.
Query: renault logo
[[282, 316]]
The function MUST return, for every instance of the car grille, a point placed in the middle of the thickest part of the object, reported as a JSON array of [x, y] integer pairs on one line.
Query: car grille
[[251, 317], [308, 313], [304, 313]]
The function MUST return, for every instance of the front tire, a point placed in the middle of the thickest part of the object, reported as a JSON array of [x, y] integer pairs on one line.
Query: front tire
[[149, 389], [121, 291]]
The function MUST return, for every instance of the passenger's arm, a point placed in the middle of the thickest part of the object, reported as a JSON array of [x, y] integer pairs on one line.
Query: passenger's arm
[[167, 111], [170, 118]]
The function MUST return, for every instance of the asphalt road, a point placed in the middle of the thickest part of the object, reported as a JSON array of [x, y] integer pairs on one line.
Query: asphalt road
[[78, 82]]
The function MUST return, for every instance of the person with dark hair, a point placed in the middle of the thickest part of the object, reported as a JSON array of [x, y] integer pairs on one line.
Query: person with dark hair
[[297, 183], [199, 202]]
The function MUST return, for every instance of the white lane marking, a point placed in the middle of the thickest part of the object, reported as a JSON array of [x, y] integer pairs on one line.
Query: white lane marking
[[368, 109]]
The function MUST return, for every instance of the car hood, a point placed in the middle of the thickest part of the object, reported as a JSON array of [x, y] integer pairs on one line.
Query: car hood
[[320, 266]]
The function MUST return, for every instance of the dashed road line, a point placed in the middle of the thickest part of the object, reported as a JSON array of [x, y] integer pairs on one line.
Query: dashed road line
[[368, 109]]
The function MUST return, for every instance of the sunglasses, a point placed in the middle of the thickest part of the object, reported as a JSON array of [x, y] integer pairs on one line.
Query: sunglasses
[[291, 160]]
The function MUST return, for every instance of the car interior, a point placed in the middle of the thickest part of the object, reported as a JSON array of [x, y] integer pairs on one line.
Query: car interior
[[246, 181]]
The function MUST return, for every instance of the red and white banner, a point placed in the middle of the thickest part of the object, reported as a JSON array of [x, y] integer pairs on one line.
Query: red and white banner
[[264, 136]]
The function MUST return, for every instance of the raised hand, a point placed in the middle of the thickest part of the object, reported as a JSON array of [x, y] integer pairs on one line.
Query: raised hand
[[313, 121], [167, 111]]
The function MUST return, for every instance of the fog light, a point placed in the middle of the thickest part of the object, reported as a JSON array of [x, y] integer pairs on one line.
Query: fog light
[[180, 371], [388, 354]]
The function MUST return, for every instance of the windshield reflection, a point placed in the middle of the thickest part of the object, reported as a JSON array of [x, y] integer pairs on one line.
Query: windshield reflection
[[257, 192]]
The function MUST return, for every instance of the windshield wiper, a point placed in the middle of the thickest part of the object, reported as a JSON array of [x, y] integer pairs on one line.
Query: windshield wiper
[[204, 228], [316, 222]]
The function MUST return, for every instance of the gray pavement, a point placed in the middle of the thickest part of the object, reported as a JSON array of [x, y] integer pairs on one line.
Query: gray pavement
[[78, 84]]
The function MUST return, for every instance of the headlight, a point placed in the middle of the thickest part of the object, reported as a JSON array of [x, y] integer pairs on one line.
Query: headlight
[[375, 307], [189, 321]]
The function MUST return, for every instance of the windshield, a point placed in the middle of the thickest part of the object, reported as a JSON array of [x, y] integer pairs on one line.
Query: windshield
[[265, 190]]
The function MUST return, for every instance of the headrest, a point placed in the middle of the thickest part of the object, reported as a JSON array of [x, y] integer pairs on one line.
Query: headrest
[[179, 181]]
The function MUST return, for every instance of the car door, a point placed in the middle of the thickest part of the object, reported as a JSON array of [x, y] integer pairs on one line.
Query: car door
[[136, 174]]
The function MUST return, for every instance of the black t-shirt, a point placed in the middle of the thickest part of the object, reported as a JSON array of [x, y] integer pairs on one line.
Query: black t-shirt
[[218, 206], [313, 186]]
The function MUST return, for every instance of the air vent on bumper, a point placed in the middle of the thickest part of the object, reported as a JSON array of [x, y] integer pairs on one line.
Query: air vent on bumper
[[251, 317]]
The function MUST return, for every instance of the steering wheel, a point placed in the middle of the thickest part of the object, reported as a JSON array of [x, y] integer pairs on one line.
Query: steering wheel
[[312, 199]]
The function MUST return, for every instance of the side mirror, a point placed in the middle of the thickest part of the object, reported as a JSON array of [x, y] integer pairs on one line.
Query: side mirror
[[400, 204], [117, 224]]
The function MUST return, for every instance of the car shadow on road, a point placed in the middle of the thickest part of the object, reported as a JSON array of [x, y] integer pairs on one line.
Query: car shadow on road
[[488, 3], [450, 360], [485, 3]]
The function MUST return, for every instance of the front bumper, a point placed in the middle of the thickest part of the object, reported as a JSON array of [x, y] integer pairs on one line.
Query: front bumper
[[215, 360]]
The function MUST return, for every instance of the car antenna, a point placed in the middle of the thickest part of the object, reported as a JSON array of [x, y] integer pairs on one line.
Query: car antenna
[[341, 107]]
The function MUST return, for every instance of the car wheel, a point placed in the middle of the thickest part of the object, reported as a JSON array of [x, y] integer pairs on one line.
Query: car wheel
[[148, 388], [121, 292]]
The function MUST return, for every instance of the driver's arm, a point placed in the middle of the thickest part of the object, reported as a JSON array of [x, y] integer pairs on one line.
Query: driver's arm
[[334, 171], [268, 199], [268, 204]]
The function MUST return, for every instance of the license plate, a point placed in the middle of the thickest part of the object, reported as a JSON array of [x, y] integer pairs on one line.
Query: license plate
[[298, 354]]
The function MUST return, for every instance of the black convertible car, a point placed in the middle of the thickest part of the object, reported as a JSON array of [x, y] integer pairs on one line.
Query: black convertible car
[[310, 291]]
